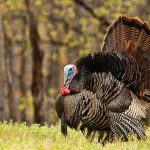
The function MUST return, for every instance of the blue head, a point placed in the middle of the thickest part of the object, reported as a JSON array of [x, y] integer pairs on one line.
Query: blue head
[[69, 72]]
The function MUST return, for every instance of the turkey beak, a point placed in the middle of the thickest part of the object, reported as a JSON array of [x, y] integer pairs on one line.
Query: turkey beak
[[67, 81]]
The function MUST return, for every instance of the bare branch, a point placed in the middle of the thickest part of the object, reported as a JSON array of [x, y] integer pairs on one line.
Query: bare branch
[[102, 19]]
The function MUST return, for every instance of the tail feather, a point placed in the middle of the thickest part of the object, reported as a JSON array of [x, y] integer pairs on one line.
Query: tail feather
[[127, 34], [131, 36]]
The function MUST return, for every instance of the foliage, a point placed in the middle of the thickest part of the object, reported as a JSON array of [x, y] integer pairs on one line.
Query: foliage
[[21, 137]]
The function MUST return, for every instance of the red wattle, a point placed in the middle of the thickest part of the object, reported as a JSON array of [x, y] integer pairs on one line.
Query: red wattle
[[64, 91]]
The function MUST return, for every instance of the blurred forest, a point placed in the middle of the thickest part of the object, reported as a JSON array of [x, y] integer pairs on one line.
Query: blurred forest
[[38, 38]]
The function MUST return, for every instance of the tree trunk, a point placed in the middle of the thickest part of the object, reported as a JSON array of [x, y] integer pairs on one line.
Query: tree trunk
[[3, 100], [37, 58], [23, 88], [13, 109]]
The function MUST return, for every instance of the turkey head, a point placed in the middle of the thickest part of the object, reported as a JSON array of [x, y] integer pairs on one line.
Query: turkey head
[[74, 79]]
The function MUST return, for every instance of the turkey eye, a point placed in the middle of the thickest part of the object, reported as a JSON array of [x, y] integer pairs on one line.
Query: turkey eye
[[70, 69]]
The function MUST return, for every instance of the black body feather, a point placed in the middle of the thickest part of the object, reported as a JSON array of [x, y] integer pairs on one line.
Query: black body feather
[[121, 66]]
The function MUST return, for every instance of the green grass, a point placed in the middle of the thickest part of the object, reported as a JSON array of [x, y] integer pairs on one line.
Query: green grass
[[21, 137]]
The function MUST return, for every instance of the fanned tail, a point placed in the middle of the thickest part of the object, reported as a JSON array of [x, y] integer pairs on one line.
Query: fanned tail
[[132, 37], [127, 35]]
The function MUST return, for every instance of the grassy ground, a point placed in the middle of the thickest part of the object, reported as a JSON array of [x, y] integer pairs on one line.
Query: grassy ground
[[22, 137]]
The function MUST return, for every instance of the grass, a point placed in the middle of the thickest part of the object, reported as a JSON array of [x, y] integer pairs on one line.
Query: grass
[[22, 137]]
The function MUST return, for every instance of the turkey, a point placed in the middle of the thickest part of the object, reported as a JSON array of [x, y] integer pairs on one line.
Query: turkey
[[105, 92]]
